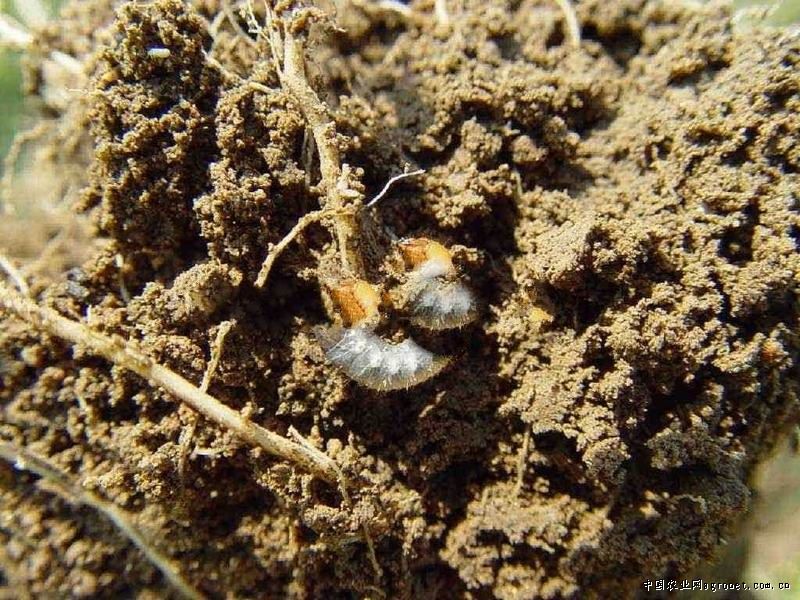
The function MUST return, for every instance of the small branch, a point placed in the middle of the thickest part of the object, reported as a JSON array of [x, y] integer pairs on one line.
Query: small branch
[[276, 250], [14, 274], [323, 128], [65, 487], [389, 183], [573, 27], [216, 353], [122, 353], [522, 459]]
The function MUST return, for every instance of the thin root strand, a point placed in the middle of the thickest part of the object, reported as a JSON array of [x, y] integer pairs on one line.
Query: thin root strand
[[126, 355], [276, 250], [65, 487]]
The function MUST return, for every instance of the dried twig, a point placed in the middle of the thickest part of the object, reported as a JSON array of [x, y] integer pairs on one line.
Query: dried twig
[[14, 274], [334, 174], [124, 354], [573, 27], [64, 486], [522, 459], [216, 353], [276, 250]]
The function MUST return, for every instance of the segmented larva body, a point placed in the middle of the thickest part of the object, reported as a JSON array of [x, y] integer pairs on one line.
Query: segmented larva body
[[434, 299], [436, 304], [376, 363], [365, 357]]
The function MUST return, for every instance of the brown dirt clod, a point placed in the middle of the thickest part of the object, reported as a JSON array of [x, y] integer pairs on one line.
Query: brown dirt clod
[[626, 212]]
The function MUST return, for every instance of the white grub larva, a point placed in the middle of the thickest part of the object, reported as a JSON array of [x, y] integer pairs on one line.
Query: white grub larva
[[440, 305], [432, 296], [376, 363], [159, 52], [365, 357]]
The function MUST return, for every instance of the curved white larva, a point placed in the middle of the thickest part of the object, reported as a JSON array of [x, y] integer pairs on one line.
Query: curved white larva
[[441, 305], [377, 364], [437, 304]]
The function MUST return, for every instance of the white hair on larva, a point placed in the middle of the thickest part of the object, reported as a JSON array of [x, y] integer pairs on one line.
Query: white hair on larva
[[375, 363], [432, 268], [437, 304], [442, 305]]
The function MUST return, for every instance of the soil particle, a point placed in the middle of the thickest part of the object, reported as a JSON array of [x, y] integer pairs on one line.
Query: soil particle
[[625, 211]]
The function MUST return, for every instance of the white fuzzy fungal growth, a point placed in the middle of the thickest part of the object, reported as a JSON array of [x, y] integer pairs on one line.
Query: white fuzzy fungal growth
[[375, 363], [435, 303]]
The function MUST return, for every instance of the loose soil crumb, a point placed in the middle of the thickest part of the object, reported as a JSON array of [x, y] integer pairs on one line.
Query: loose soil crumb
[[627, 213]]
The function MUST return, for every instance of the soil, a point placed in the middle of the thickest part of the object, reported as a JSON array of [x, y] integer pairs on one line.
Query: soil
[[626, 211]]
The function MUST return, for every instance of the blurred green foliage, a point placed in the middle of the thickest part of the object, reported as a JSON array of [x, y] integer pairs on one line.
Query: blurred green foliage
[[786, 11], [11, 101], [10, 98]]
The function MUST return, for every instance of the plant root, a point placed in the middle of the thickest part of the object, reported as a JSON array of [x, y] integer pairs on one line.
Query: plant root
[[216, 353], [373, 558], [64, 486], [389, 184], [276, 250], [122, 353], [573, 27], [14, 274], [522, 460], [335, 176]]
